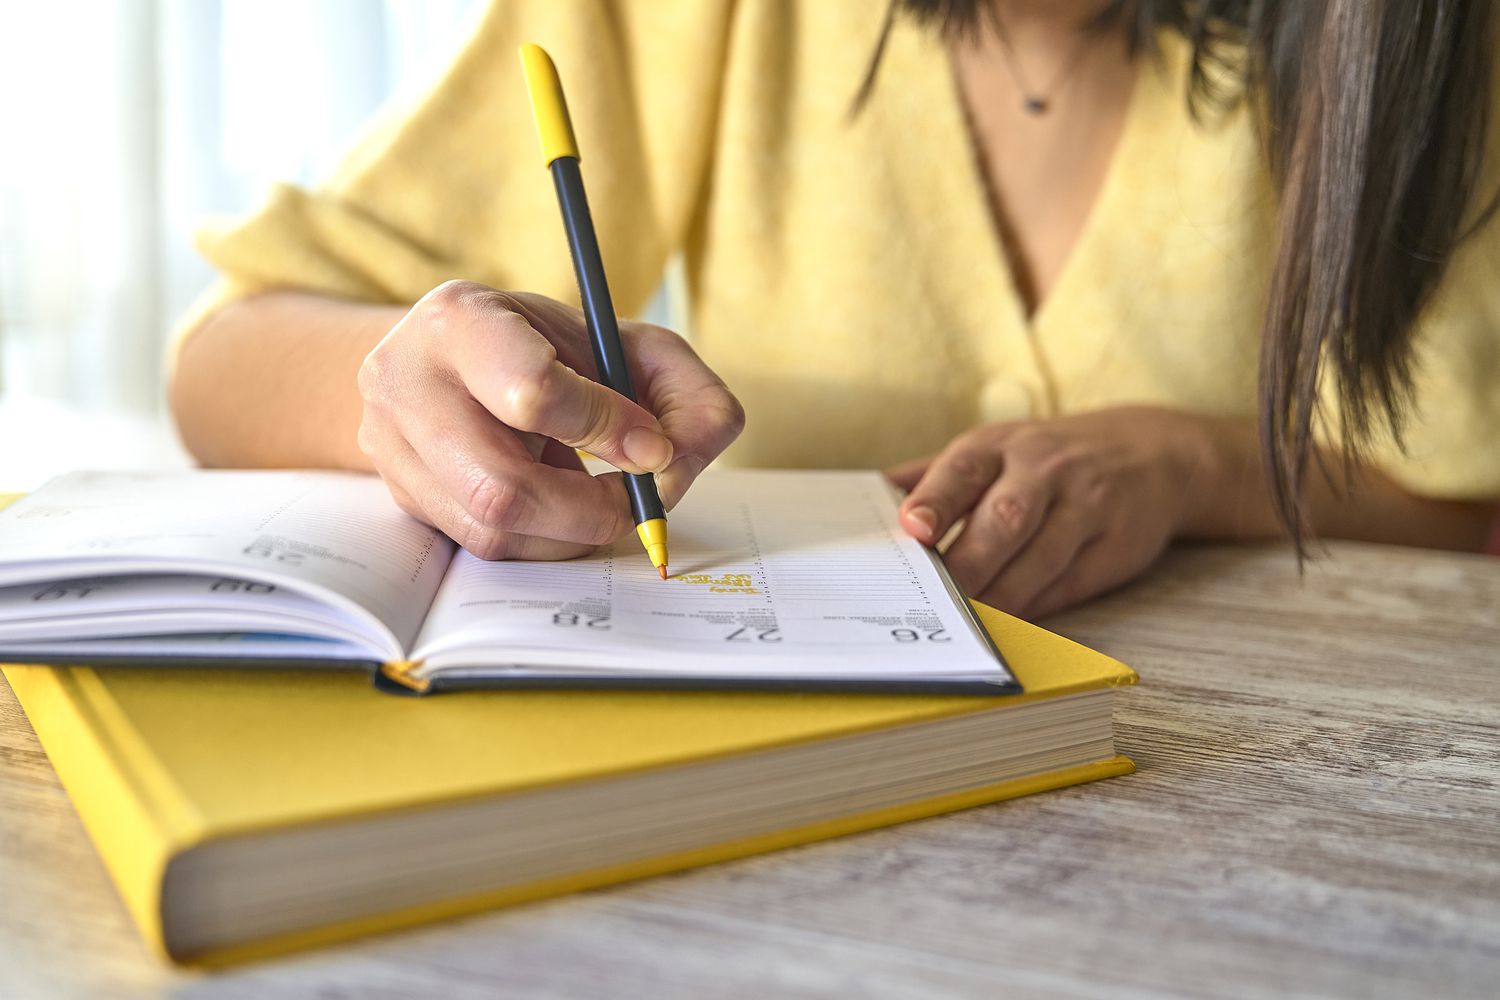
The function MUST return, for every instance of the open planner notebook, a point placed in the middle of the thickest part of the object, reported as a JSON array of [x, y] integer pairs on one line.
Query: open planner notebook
[[778, 579]]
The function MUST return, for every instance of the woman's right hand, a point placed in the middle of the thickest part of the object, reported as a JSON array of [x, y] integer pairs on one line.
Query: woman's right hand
[[476, 400]]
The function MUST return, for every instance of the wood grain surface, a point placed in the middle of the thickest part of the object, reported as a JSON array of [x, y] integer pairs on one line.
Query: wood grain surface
[[1316, 814]]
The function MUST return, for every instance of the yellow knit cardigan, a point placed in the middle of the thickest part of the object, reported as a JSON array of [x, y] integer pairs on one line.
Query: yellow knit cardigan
[[845, 275]]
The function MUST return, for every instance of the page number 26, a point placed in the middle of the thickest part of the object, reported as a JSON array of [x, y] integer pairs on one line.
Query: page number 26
[[929, 635]]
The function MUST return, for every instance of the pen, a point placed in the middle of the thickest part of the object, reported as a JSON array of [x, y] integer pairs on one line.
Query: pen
[[555, 129]]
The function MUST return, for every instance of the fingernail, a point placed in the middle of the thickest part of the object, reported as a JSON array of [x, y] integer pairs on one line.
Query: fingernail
[[673, 484], [647, 449], [926, 517]]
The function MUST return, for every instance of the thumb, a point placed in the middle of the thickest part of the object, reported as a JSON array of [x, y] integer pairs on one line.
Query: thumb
[[526, 387]]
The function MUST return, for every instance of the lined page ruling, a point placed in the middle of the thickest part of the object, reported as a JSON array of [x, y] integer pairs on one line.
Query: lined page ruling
[[796, 575]]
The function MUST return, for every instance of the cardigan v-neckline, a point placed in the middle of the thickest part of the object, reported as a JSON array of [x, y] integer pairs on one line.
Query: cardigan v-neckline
[[958, 145]]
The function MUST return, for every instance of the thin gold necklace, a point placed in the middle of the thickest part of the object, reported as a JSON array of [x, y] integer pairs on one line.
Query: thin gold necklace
[[1039, 102]]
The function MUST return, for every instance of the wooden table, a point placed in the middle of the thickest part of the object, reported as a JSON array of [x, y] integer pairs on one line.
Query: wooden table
[[1316, 814]]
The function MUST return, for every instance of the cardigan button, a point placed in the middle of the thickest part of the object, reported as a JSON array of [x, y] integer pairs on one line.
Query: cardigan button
[[1004, 399]]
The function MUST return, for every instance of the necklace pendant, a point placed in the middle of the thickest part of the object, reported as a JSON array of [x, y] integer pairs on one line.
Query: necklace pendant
[[1034, 105]]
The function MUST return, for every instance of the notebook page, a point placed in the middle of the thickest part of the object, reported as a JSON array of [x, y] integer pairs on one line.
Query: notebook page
[[336, 534], [114, 607], [793, 575]]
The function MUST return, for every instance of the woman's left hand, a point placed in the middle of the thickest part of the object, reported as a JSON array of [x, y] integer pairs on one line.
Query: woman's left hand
[[1056, 511]]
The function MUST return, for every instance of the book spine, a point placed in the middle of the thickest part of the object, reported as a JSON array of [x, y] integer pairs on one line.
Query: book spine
[[112, 786]]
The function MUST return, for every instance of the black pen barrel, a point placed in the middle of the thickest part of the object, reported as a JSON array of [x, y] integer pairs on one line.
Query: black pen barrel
[[645, 502], [588, 265], [599, 313]]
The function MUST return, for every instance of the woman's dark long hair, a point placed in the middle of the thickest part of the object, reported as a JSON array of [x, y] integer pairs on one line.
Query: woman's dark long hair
[[1373, 116]]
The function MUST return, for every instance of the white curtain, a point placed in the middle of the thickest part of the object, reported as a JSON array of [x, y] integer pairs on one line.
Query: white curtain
[[124, 122]]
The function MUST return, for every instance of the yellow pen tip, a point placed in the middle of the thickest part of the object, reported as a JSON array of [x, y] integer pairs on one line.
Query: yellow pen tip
[[653, 535], [548, 106]]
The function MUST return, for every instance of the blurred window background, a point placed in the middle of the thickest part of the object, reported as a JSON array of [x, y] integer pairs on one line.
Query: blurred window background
[[126, 123]]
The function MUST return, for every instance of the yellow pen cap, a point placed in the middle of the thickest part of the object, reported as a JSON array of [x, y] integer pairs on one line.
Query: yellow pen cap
[[553, 126]]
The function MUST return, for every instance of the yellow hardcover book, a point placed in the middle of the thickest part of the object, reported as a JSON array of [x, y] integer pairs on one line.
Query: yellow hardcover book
[[247, 812]]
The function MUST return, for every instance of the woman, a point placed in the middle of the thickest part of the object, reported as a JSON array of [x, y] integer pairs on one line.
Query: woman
[[1091, 275]]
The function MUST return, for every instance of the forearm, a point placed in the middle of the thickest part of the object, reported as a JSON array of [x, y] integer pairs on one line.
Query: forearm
[[270, 381], [1230, 498]]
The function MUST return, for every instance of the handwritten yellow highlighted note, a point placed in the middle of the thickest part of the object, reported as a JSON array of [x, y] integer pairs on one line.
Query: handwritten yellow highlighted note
[[724, 583]]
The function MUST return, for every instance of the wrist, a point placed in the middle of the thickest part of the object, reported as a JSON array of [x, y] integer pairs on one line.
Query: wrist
[[1224, 494]]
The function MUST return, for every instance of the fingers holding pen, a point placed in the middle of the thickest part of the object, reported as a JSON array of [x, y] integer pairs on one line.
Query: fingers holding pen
[[696, 409], [420, 493], [467, 472], [541, 382], [492, 475], [474, 400], [529, 388], [520, 356]]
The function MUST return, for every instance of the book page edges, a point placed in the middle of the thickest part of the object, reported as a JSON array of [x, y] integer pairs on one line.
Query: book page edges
[[643, 868], [133, 813]]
